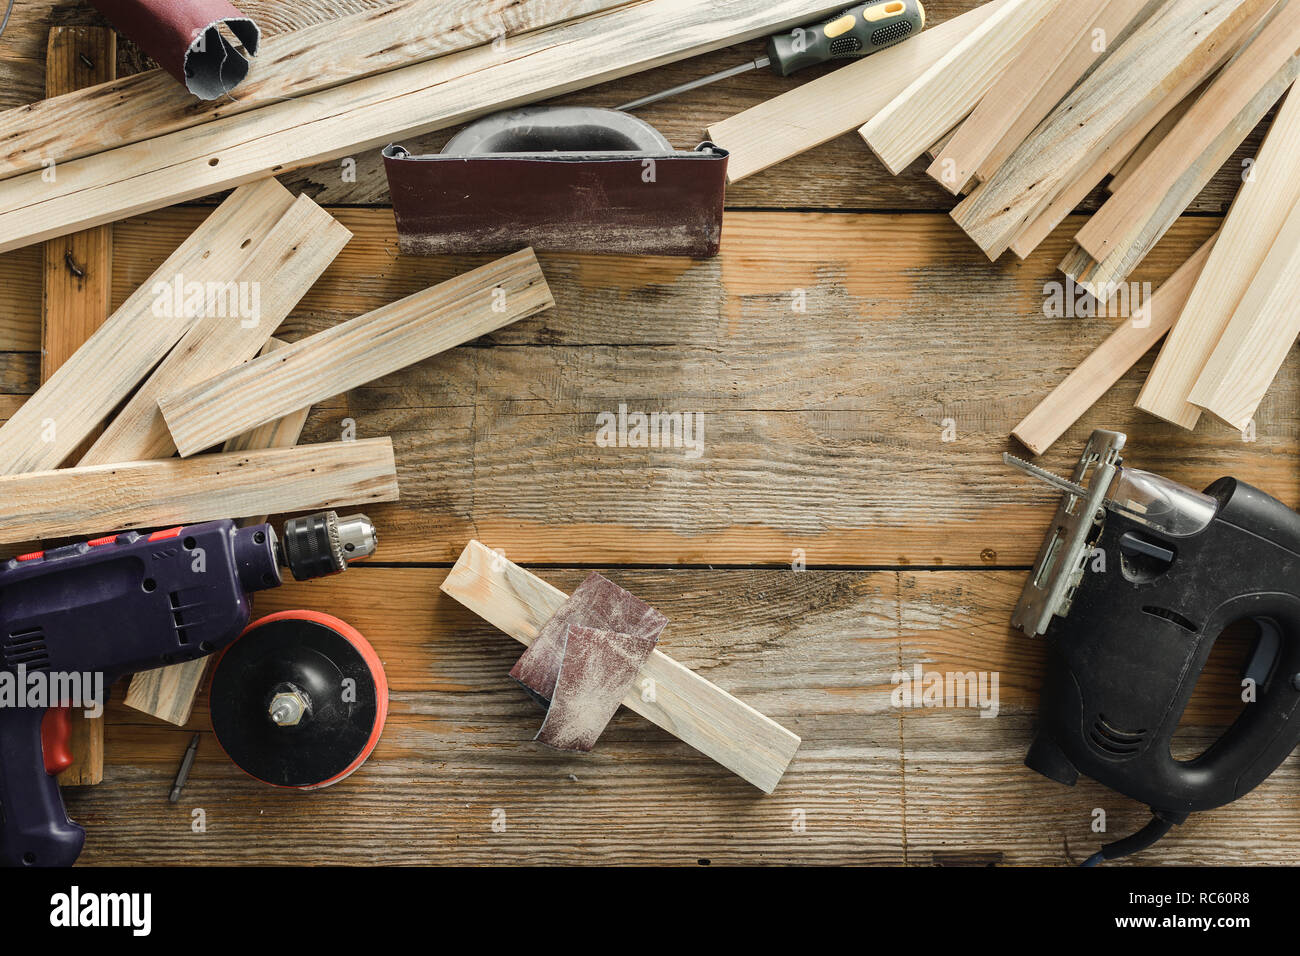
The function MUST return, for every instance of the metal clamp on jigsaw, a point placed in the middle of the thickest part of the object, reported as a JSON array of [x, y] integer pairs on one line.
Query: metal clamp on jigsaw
[[1128, 637]]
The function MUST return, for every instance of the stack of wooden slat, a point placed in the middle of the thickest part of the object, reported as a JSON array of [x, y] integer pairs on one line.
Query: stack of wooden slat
[[1025, 107], [1045, 99]]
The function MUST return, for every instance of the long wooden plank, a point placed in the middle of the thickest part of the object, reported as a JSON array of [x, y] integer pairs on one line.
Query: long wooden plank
[[76, 283], [840, 101], [277, 273], [371, 112], [145, 105], [940, 98], [1173, 49], [1132, 221], [1096, 374], [149, 494], [1107, 31], [168, 692], [356, 352], [1258, 337], [1249, 231], [1056, 35], [99, 375], [682, 702], [1124, 171]]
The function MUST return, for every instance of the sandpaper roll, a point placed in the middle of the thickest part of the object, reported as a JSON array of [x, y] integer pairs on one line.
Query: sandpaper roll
[[184, 36]]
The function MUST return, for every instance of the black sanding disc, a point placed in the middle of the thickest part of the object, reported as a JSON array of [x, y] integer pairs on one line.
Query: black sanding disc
[[324, 662]]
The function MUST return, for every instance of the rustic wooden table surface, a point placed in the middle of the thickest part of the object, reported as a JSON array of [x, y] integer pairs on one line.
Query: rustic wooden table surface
[[825, 434]]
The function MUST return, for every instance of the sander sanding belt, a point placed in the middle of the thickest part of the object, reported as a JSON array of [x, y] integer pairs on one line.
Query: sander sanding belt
[[184, 36], [585, 659]]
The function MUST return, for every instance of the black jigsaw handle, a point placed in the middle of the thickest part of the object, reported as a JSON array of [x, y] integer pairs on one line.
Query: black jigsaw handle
[[1264, 733]]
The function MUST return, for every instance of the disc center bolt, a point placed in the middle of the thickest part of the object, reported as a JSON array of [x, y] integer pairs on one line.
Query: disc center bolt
[[289, 705]]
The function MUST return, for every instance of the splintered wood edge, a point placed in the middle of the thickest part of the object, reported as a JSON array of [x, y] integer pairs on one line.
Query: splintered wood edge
[[693, 709]]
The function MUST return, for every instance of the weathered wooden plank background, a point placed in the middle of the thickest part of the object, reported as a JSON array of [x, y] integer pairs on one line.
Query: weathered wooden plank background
[[823, 434]]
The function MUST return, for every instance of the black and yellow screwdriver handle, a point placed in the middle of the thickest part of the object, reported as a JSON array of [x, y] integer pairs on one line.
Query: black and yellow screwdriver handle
[[857, 32]]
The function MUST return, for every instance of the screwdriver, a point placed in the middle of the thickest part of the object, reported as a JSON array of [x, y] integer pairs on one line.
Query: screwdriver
[[857, 32]]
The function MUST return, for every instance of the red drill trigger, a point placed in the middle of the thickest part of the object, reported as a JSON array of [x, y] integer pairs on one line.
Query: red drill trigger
[[56, 739]]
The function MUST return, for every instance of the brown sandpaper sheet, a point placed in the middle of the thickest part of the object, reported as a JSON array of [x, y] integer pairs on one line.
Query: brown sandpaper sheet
[[185, 37], [596, 603], [597, 669]]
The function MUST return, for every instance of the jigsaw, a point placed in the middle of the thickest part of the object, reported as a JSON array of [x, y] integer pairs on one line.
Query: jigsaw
[[1129, 634]]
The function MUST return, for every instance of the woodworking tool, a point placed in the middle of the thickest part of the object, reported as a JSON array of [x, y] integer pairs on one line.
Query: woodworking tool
[[120, 604], [1137, 579], [560, 179], [857, 32], [183, 774], [299, 700]]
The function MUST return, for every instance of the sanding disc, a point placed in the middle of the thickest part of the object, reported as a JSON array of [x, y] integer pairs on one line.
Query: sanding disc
[[299, 700]]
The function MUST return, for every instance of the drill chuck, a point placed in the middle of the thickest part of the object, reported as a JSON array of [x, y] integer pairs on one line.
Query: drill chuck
[[324, 543]]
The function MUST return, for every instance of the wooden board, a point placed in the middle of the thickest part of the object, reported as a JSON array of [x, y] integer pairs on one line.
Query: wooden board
[[77, 275], [1006, 104], [1108, 29], [814, 112], [368, 113], [943, 95], [1132, 339], [1125, 229], [276, 273], [152, 494], [356, 352], [71, 125], [666, 693], [1252, 225], [1258, 337], [1172, 51], [90, 384], [76, 283]]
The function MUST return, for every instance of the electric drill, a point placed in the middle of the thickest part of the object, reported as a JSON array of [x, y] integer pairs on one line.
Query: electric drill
[[121, 604]]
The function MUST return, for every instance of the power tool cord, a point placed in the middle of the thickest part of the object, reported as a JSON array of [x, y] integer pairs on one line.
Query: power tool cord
[[1144, 838], [5, 22]]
